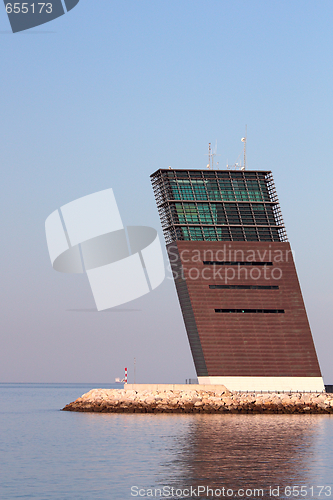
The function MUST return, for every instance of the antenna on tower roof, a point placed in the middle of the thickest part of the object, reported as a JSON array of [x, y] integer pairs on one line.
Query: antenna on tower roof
[[211, 156], [243, 139]]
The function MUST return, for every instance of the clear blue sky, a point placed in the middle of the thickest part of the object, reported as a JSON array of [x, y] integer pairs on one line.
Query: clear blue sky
[[113, 90]]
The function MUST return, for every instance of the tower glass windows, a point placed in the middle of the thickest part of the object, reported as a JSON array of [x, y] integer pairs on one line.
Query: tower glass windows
[[220, 205]]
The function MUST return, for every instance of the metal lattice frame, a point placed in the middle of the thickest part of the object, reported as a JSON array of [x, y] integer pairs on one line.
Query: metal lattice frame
[[172, 232], [276, 207], [163, 207]]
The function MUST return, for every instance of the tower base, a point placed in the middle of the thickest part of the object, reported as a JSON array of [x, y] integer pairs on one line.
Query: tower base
[[265, 384]]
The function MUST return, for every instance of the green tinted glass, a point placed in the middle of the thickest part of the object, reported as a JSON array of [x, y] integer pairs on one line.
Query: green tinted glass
[[191, 213], [185, 189], [180, 213], [204, 212], [196, 233], [186, 234], [218, 213], [209, 234], [213, 190], [199, 189]]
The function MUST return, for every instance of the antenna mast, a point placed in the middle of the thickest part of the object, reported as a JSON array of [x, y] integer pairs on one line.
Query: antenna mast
[[243, 139], [211, 156]]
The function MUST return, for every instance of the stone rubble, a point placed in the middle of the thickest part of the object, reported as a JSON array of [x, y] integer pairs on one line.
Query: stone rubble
[[199, 401]]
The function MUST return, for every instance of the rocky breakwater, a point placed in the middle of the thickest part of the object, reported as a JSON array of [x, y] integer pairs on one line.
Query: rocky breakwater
[[199, 401]]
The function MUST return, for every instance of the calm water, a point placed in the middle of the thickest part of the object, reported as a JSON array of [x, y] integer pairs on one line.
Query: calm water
[[49, 454]]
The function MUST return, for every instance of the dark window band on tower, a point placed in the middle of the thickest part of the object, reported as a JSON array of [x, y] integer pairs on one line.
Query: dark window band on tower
[[232, 263], [265, 311], [244, 287]]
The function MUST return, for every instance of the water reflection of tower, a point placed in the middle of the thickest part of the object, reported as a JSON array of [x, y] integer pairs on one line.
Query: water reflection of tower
[[244, 451]]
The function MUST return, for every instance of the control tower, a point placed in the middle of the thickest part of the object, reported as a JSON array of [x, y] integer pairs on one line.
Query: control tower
[[236, 280]]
